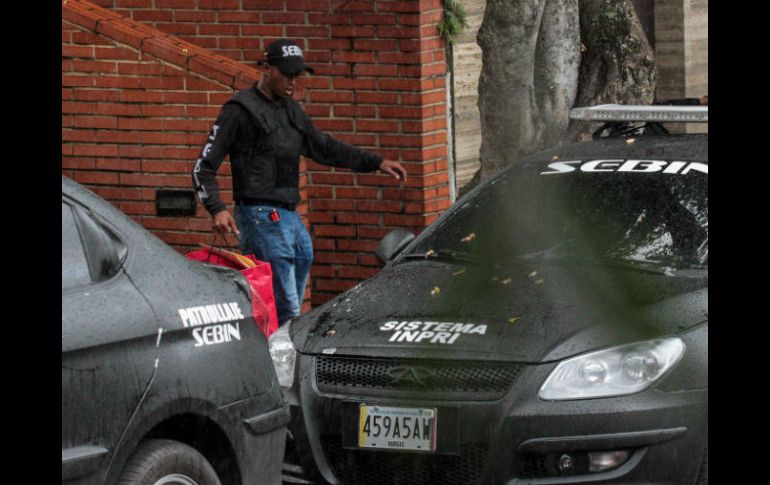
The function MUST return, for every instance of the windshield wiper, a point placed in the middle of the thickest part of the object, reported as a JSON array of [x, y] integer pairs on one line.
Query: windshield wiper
[[636, 265], [624, 263], [442, 255]]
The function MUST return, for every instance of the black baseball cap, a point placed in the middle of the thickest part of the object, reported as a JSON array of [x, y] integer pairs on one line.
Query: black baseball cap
[[286, 55]]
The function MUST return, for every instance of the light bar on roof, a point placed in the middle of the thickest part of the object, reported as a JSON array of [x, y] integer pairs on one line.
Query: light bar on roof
[[621, 112]]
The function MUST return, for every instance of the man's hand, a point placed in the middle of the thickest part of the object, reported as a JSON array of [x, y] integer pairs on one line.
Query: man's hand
[[393, 168], [224, 223]]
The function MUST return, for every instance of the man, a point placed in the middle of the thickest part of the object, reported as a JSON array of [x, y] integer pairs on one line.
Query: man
[[265, 131]]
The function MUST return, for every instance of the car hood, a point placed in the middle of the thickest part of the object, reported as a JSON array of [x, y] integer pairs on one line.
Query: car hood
[[523, 313]]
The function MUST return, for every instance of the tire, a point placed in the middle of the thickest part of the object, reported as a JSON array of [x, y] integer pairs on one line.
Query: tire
[[167, 462], [703, 475]]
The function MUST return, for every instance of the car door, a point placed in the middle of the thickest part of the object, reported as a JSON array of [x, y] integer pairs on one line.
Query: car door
[[108, 343]]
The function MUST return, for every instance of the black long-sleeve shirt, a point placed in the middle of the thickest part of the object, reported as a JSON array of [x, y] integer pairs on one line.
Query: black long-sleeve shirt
[[265, 140]]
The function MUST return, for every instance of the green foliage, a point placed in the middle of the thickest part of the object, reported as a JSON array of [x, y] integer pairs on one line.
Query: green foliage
[[453, 22]]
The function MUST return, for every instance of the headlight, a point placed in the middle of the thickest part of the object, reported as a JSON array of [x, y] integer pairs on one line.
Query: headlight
[[612, 372], [284, 355]]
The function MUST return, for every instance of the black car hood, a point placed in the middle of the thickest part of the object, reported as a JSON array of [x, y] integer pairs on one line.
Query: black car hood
[[523, 313]]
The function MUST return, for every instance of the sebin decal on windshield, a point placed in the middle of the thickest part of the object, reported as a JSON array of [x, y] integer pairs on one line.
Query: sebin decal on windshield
[[431, 332], [211, 324], [628, 166]]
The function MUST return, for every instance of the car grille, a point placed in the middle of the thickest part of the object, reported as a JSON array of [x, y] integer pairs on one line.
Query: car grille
[[468, 380], [532, 466], [354, 467]]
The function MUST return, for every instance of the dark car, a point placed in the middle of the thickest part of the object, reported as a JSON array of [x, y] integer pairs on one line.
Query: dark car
[[166, 378], [551, 327]]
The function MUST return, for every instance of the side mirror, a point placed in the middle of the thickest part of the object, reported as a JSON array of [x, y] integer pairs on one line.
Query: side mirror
[[393, 243]]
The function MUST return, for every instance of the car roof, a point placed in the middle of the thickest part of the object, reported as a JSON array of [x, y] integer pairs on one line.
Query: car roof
[[106, 210], [74, 190], [90, 199], [686, 147]]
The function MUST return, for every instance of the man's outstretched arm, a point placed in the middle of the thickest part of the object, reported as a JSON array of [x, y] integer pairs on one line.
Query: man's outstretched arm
[[327, 150]]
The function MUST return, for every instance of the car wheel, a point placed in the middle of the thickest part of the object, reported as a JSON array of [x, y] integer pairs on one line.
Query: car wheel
[[703, 475], [167, 462]]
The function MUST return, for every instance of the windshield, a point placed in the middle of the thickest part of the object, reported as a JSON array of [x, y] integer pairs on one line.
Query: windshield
[[650, 220]]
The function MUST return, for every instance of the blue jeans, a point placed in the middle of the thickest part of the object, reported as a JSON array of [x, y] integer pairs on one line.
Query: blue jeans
[[286, 245]]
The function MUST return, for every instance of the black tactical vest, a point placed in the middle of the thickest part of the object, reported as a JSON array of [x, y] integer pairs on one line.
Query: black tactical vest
[[270, 168]]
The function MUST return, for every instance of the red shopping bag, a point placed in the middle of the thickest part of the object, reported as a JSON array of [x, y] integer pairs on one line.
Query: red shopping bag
[[260, 277]]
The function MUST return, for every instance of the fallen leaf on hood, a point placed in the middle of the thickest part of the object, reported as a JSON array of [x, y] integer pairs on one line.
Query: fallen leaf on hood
[[470, 237], [435, 291]]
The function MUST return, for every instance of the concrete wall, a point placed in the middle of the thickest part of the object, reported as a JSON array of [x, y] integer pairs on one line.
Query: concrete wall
[[466, 68], [696, 48], [681, 50]]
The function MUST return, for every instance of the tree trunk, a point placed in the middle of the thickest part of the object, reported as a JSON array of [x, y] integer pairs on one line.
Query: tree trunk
[[556, 71], [532, 73], [530, 54], [618, 64]]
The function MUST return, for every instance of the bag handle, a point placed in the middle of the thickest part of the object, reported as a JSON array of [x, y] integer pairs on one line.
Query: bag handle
[[231, 256], [213, 245]]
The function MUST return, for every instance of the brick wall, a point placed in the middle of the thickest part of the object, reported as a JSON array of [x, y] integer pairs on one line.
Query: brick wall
[[379, 84], [133, 122]]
